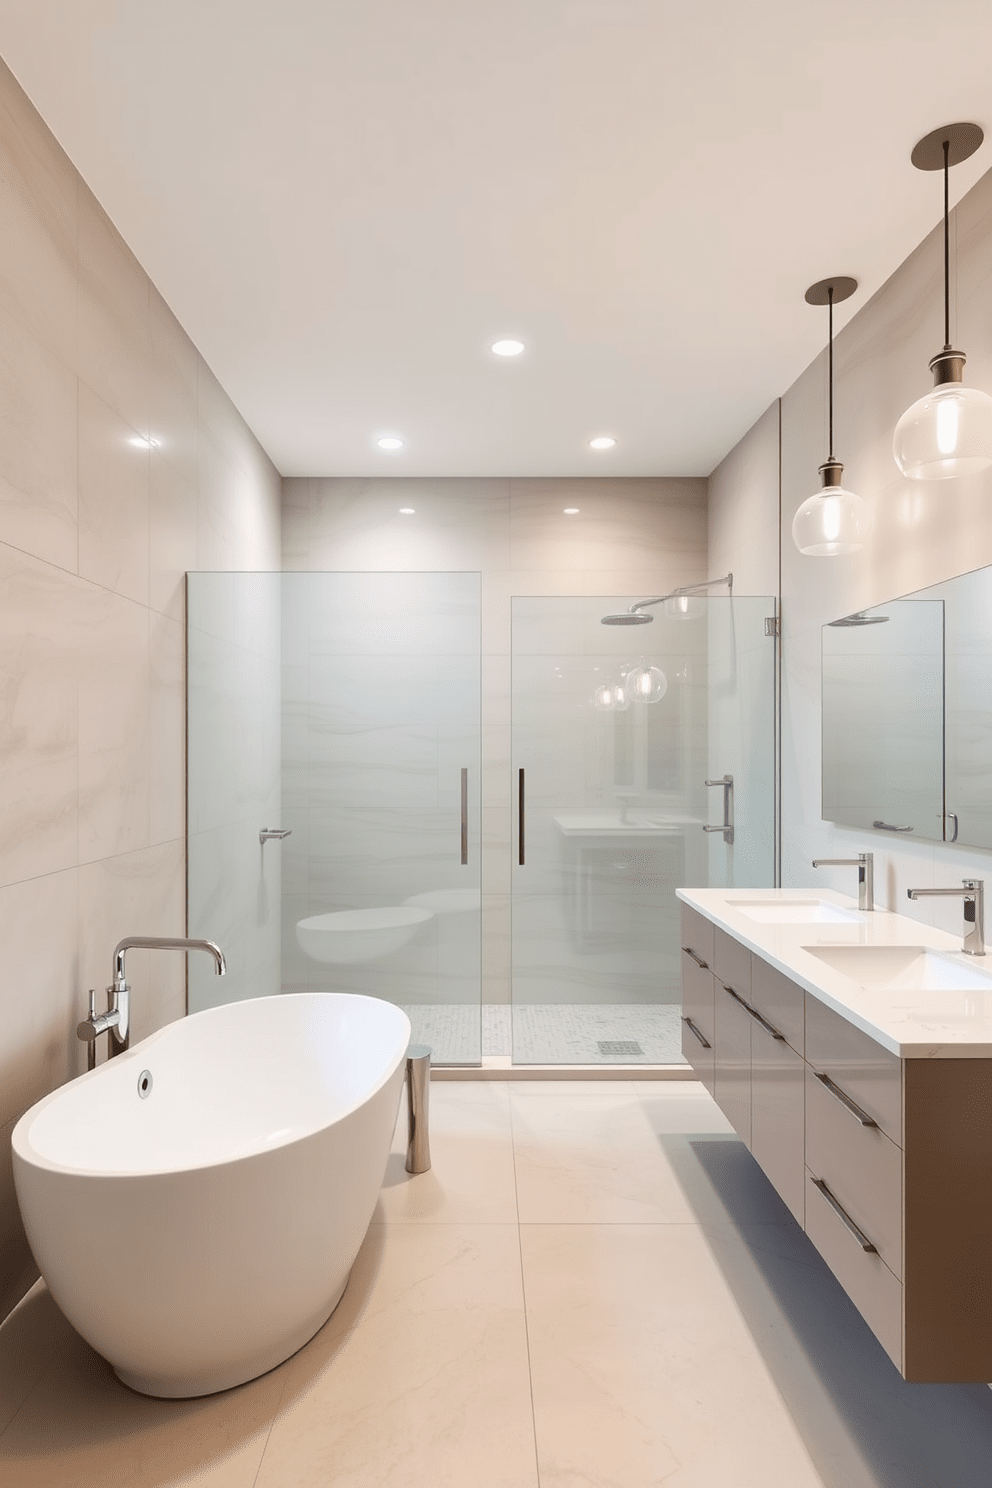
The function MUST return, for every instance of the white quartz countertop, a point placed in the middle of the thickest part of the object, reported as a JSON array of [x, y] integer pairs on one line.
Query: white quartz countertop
[[911, 1022]]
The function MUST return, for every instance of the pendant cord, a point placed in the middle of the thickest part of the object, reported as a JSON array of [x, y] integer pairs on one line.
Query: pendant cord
[[830, 368], [947, 252]]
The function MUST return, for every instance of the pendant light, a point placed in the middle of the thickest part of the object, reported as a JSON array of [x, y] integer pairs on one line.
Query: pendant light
[[834, 521], [948, 433]]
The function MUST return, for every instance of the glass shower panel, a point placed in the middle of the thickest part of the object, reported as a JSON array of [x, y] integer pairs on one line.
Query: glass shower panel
[[381, 752], [345, 708], [614, 803]]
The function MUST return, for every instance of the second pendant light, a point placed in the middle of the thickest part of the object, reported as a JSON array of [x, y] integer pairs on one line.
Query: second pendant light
[[835, 520]]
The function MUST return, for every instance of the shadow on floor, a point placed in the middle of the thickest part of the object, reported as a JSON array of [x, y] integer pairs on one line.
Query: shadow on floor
[[862, 1424], [76, 1424]]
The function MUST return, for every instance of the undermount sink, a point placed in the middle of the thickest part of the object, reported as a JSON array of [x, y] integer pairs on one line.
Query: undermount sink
[[793, 911], [903, 968]]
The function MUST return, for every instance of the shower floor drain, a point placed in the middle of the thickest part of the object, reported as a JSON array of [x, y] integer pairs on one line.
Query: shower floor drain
[[619, 1046]]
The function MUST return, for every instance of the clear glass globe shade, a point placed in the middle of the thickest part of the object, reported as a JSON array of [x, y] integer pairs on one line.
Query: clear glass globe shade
[[646, 684], [832, 522], [945, 435], [621, 696], [685, 607], [602, 698]]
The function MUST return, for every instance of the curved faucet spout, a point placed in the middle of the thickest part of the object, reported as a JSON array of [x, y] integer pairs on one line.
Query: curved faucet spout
[[164, 943]]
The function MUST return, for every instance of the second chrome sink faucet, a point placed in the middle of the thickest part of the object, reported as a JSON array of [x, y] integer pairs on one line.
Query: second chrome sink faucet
[[865, 864], [973, 894]]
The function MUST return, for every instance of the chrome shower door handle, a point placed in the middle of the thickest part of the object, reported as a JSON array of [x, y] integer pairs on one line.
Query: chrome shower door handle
[[727, 825], [464, 817]]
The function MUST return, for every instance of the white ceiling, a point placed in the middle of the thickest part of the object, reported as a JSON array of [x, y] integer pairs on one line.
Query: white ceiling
[[346, 201]]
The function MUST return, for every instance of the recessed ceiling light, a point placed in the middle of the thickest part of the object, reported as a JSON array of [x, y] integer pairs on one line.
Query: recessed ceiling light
[[150, 443], [389, 442], [602, 441], [507, 348], [571, 511], [407, 511]]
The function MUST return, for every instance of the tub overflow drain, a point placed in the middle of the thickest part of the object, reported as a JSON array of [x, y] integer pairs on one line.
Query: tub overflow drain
[[145, 1084]]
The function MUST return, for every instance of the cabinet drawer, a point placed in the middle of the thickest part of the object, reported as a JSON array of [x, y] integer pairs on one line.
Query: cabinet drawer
[[697, 934], [778, 1100], [779, 1000], [732, 963], [869, 1074], [697, 1018], [860, 1165], [866, 1279], [732, 1061]]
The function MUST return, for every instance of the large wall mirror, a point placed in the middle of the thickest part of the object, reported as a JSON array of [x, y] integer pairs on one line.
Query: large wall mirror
[[907, 714]]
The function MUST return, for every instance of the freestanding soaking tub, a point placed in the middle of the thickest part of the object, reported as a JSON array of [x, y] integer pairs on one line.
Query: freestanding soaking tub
[[196, 1204]]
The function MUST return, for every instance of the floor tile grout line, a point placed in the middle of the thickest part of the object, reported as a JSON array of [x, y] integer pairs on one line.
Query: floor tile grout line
[[43, 1374], [523, 1293], [268, 1434]]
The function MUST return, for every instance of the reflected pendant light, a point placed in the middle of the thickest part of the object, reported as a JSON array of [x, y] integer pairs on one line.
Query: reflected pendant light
[[948, 433], [835, 520]]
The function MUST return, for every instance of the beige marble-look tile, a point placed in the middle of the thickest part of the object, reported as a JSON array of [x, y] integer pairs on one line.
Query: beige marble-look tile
[[643, 1369], [113, 500], [172, 533], [37, 447], [173, 390], [222, 508], [431, 1386], [140, 893], [471, 1175], [38, 998], [39, 613], [17, 1272], [591, 1158], [38, 206], [167, 729], [79, 1427], [114, 690], [114, 357]]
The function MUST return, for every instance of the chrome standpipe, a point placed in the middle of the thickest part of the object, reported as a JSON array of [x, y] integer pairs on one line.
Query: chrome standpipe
[[418, 1091]]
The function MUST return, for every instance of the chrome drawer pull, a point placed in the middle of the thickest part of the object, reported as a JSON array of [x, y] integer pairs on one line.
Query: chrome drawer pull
[[845, 1100], [844, 1217], [759, 1018], [698, 959], [693, 1029]]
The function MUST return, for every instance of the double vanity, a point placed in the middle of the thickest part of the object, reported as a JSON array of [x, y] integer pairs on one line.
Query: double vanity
[[852, 1053]]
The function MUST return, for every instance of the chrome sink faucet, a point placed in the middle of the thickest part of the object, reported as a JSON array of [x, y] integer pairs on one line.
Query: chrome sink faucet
[[116, 1021], [973, 894], [865, 864]]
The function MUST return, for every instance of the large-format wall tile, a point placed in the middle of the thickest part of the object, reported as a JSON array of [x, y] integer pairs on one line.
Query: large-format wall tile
[[38, 991], [172, 532], [113, 500], [114, 346], [114, 722], [37, 447], [167, 729], [38, 206], [173, 389], [39, 640], [456, 524], [139, 893]]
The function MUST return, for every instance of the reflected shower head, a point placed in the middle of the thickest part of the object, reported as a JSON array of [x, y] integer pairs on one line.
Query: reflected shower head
[[858, 618], [629, 617]]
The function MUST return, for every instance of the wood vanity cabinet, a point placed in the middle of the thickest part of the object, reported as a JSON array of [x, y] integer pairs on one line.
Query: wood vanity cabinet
[[885, 1162]]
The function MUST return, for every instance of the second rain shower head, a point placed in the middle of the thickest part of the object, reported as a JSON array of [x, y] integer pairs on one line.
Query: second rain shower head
[[629, 617], [636, 616]]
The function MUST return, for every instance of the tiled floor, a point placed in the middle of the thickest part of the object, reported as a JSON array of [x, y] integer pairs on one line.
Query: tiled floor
[[594, 1287], [550, 1033]]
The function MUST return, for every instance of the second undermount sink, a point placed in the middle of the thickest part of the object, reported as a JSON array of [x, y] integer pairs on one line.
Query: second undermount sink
[[793, 911], [903, 968]]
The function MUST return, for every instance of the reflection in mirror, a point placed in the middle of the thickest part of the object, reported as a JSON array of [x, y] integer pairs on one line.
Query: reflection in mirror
[[883, 725]]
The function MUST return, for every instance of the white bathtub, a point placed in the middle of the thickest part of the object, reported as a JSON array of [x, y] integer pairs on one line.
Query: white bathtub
[[198, 1236]]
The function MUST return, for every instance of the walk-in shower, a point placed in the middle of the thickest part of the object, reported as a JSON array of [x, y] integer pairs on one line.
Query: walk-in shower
[[346, 709]]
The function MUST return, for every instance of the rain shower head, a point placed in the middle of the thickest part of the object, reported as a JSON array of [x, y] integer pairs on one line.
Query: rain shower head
[[635, 615], [858, 618], [629, 617]]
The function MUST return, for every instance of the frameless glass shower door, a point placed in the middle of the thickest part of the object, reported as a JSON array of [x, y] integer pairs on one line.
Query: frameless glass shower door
[[373, 683], [616, 733]]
